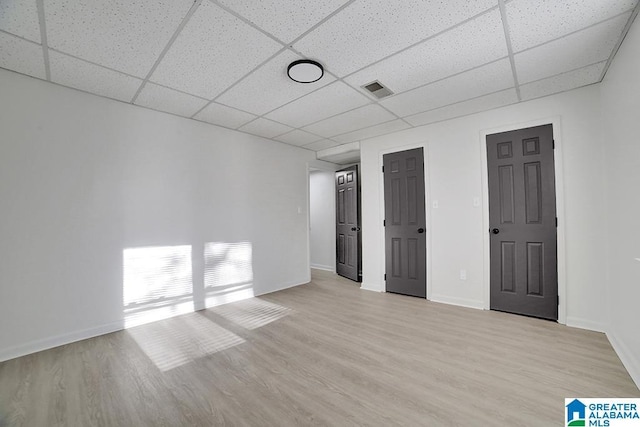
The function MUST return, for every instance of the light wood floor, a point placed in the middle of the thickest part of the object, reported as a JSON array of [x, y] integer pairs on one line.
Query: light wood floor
[[325, 353]]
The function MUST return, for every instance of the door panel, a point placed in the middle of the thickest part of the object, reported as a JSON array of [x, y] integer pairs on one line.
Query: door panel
[[348, 243], [522, 216], [405, 237]]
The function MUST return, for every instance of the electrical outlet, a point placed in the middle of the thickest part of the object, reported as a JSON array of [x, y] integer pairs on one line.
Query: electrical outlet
[[463, 274], [476, 202], [435, 204]]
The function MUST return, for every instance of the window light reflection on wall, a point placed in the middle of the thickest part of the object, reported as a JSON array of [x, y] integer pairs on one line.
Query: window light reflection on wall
[[157, 283], [228, 272]]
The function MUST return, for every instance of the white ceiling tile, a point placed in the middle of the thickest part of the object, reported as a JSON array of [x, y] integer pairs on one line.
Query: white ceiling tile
[[213, 51], [367, 31], [483, 103], [577, 50], [78, 74], [22, 56], [321, 145], [285, 20], [359, 118], [471, 84], [251, 94], [126, 35], [333, 99], [370, 132], [169, 100], [20, 17], [224, 116], [298, 137], [563, 82], [477, 42], [534, 22], [265, 128]]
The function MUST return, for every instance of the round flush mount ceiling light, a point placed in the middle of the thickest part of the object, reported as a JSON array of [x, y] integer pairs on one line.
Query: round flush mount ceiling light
[[305, 71]]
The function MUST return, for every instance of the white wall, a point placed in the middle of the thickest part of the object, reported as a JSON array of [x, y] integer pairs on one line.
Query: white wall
[[454, 178], [82, 178], [621, 112], [322, 215]]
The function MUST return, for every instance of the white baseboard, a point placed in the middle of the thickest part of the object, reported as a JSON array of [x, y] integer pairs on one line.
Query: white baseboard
[[323, 267], [461, 302], [630, 360], [371, 287], [287, 285], [576, 322], [51, 342], [56, 341]]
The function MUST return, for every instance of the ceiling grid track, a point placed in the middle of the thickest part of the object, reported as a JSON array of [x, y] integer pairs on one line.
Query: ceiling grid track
[[246, 21], [285, 47], [43, 37], [426, 39], [238, 82], [553, 62], [290, 47], [19, 37], [445, 78], [634, 14], [173, 38], [505, 25], [93, 63], [374, 101], [322, 21], [579, 30]]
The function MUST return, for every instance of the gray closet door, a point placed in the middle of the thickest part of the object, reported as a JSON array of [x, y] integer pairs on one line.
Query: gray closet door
[[522, 218]]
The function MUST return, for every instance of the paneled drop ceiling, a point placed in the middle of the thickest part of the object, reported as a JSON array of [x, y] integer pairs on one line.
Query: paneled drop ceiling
[[224, 61]]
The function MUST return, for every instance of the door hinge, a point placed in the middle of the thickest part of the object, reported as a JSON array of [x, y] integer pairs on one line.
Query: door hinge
[[383, 169], [384, 222], [556, 222], [385, 276], [558, 299], [553, 144]]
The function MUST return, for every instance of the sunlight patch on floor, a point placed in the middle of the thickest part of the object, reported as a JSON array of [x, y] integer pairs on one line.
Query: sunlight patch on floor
[[175, 342], [252, 313]]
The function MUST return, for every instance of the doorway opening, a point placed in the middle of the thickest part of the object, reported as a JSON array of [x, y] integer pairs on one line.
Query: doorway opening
[[322, 239]]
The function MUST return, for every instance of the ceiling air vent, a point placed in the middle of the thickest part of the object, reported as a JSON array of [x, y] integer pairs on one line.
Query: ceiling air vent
[[377, 89]]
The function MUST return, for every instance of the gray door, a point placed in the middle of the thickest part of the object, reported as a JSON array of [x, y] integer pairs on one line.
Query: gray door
[[522, 219], [405, 234], [348, 257]]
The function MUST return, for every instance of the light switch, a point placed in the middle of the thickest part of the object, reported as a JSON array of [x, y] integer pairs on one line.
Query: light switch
[[476, 202], [463, 274]]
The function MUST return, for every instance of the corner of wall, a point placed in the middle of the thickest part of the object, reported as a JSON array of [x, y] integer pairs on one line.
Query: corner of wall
[[460, 302], [628, 359], [374, 287], [590, 325]]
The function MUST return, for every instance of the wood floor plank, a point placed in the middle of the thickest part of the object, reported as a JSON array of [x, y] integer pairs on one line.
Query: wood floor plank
[[325, 353]]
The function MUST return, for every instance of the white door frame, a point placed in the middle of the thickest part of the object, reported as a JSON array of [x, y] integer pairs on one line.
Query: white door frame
[[560, 212], [427, 190]]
